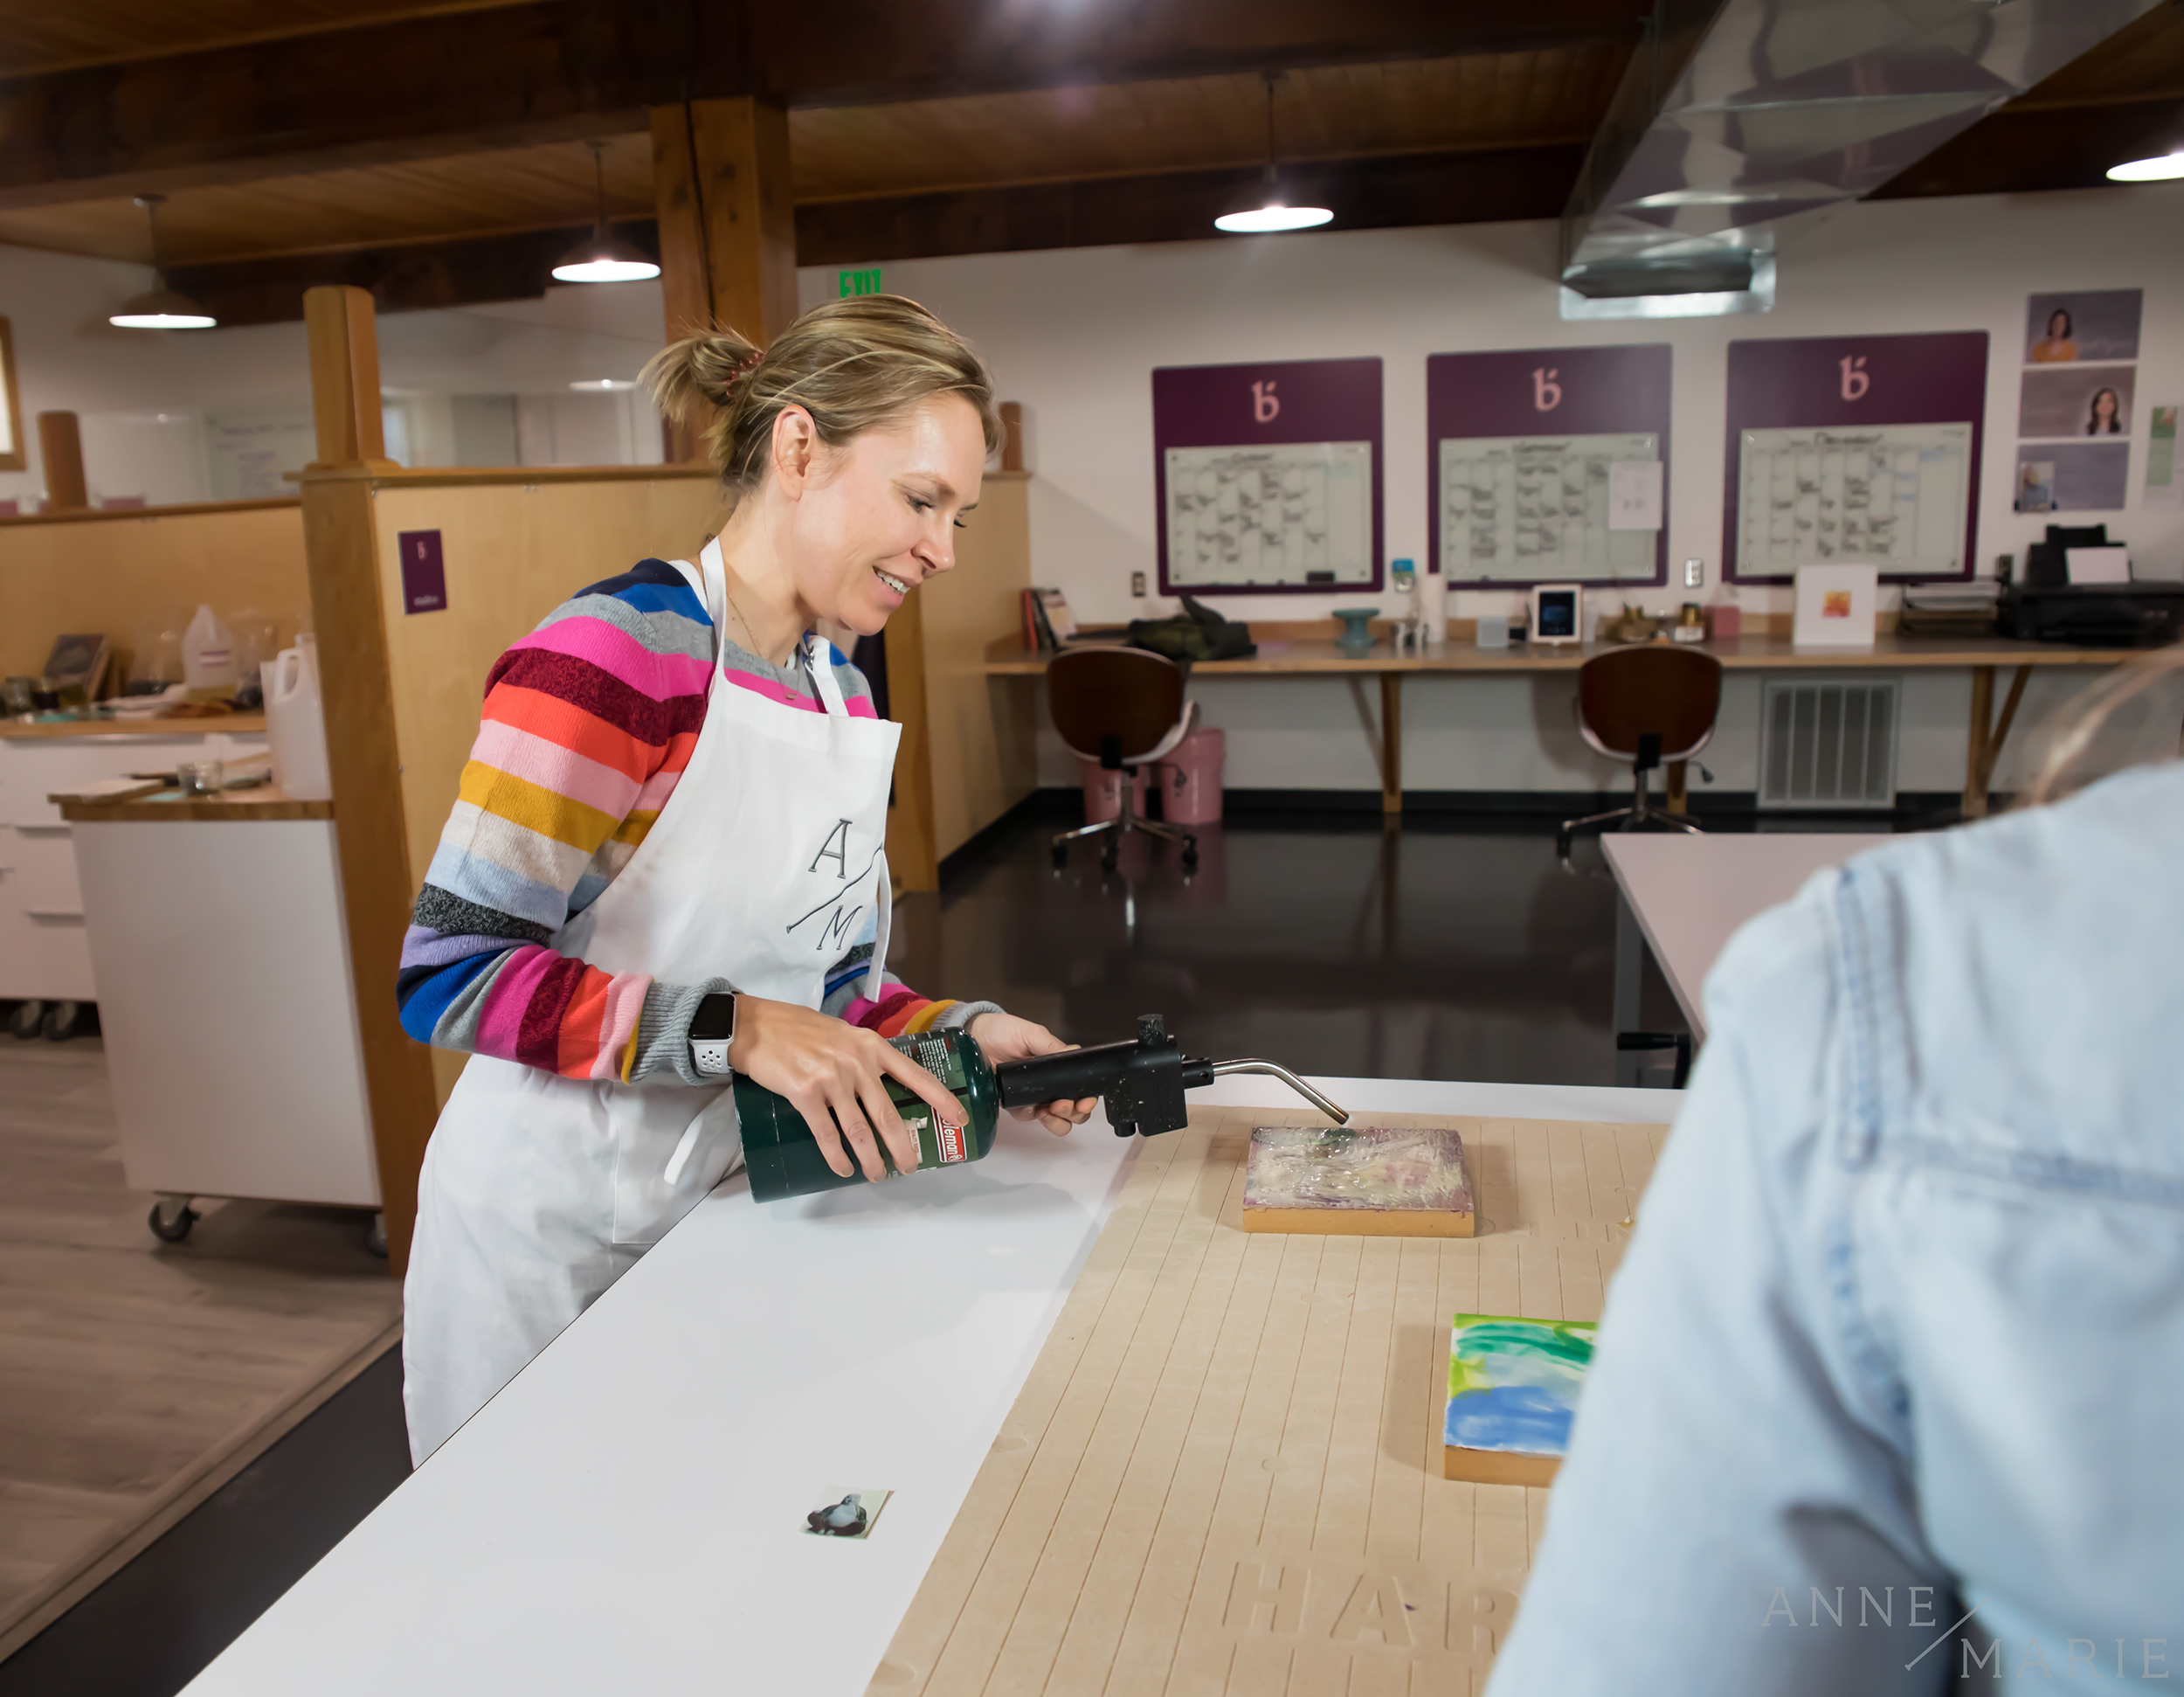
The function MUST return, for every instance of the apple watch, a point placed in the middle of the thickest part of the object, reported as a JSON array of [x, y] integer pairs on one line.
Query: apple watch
[[712, 1029]]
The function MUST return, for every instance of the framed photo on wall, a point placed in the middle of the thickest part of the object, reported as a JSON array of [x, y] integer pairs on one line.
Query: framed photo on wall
[[11, 456]]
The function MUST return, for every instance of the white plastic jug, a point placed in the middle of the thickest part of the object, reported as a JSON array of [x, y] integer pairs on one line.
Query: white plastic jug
[[208, 654], [295, 722]]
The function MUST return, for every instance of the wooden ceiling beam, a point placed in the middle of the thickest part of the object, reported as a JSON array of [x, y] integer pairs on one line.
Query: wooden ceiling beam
[[410, 277], [2024, 150], [1471, 186], [557, 69]]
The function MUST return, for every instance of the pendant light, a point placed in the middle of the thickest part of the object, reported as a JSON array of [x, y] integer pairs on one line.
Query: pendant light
[[1271, 214], [601, 259], [2158, 168], [159, 308]]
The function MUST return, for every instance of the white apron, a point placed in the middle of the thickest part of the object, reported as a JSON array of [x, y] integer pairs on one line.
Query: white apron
[[537, 1192]]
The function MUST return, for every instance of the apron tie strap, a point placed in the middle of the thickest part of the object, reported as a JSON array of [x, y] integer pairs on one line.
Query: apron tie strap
[[876, 974]]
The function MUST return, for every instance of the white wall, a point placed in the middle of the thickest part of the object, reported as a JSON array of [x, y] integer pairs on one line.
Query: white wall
[[120, 382], [1074, 335]]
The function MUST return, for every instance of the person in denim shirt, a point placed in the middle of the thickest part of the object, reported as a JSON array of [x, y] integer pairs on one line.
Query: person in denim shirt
[[1900, 1336]]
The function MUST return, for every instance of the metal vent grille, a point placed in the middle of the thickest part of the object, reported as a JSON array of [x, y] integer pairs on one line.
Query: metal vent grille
[[1829, 744]]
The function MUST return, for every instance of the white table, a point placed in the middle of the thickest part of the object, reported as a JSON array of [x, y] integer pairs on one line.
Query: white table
[[1684, 898], [626, 1515]]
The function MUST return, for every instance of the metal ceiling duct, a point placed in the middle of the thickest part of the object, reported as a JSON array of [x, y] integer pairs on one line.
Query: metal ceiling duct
[[1739, 123]]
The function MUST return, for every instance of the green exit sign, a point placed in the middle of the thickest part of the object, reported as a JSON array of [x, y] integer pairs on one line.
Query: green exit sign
[[859, 282]]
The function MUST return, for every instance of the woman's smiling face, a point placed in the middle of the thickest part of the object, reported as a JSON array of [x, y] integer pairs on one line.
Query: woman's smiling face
[[877, 517]]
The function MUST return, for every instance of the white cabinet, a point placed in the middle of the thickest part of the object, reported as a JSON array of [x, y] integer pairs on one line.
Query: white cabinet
[[43, 952], [229, 1013]]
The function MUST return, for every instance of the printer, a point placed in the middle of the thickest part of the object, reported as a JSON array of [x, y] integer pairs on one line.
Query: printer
[[2044, 605]]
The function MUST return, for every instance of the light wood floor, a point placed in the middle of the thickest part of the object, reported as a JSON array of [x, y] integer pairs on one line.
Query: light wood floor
[[136, 1377]]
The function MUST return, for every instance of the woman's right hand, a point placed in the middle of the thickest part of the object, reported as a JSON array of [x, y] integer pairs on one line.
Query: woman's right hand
[[834, 1074]]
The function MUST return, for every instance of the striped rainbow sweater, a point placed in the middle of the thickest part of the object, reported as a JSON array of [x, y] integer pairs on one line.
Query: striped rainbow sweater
[[587, 725]]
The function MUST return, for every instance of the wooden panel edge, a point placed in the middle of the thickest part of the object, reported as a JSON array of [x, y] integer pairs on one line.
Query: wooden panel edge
[[1358, 1222]]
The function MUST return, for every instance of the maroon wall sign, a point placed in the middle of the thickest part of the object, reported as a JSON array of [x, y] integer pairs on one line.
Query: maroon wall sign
[[1547, 392], [423, 573], [1242, 407], [1842, 383]]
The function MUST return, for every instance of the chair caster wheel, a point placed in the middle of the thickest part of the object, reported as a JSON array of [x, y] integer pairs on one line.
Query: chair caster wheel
[[63, 1021], [375, 1235], [23, 1023], [1190, 855], [1107, 860], [172, 1218]]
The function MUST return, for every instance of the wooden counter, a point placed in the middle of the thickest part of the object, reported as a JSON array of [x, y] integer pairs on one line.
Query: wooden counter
[[228, 724], [168, 807], [1307, 648]]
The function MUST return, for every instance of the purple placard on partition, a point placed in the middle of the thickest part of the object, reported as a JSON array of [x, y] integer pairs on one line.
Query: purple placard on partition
[[424, 572], [1271, 404], [1547, 392], [1842, 383]]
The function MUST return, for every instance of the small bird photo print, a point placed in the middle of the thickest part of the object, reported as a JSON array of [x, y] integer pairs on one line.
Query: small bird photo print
[[845, 1514]]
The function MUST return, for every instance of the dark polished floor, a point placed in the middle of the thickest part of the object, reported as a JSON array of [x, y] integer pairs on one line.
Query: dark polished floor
[[1453, 948], [1456, 948]]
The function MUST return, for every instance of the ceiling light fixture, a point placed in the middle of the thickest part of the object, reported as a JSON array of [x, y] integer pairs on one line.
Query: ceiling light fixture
[[603, 385], [159, 308], [1272, 215], [2159, 169], [601, 259]]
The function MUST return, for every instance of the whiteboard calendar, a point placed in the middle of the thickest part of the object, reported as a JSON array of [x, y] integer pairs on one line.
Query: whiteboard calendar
[[1288, 514], [1524, 508], [1892, 494]]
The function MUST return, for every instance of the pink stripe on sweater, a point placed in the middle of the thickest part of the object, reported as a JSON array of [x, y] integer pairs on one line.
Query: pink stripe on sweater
[[614, 651], [624, 1001], [770, 688], [524, 754], [500, 1022]]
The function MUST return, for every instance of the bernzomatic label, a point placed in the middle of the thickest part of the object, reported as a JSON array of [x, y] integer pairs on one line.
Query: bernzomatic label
[[950, 1142]]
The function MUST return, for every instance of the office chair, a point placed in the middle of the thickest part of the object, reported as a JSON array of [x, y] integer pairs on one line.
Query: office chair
[[1123, 707], [1647, 704]]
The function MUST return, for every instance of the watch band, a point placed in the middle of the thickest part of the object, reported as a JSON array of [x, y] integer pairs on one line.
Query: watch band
[[712, 1029]]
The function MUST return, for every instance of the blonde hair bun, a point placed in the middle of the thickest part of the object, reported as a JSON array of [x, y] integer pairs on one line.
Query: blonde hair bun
[[852, 365]]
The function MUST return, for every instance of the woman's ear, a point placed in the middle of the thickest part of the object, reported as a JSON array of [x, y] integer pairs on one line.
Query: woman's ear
[[795, 449]]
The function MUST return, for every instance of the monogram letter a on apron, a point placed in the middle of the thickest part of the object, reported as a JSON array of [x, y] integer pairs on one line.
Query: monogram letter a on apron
[[537, 1191]]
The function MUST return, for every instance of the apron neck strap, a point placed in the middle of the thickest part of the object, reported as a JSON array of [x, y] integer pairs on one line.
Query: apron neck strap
[[815, 648]]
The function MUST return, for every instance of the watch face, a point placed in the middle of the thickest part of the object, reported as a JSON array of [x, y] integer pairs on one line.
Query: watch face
[[709, 1055]]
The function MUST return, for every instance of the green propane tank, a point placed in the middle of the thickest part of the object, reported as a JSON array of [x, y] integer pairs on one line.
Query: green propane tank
[[1140, 1082], [784, 1157]]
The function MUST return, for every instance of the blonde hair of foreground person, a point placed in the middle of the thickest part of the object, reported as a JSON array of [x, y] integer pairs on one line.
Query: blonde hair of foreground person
[[853, 365], [2072, 731]]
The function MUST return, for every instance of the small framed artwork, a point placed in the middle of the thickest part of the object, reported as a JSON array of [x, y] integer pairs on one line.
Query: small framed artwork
[[11, 456], [1558, 613], [1836, 606]]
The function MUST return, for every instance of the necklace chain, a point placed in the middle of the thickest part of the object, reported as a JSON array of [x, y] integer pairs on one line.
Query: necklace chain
[[779, 671]]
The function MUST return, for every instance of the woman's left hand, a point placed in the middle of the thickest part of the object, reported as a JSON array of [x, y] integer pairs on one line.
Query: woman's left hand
[[1004, 1037]]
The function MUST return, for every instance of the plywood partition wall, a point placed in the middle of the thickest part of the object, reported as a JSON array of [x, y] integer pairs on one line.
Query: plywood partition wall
[[106, 572], [403, 690], [968, 753]]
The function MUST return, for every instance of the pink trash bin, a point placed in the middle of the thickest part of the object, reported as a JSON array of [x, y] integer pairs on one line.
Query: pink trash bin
[[1191, 779], [1103, 792]]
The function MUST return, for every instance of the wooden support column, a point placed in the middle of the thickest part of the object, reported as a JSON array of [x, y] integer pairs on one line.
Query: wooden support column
[[913, 846], [1986, 734], [341, 554], [60, 451], [727, 220], [1677, 791], [342, 336]]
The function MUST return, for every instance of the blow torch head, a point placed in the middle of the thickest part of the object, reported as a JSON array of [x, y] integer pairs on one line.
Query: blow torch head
[[1141, 1082]]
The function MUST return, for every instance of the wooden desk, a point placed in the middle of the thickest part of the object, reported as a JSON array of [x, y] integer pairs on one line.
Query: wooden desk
[[1307, 650], [625, 1514], [1685, 896]]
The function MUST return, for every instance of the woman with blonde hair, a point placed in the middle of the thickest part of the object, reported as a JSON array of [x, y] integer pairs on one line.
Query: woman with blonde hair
[[1886, 1390], [666, 866]]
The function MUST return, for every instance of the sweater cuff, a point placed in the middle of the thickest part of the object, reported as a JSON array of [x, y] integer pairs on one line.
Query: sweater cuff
[[662, 1048], [963, 1013]]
